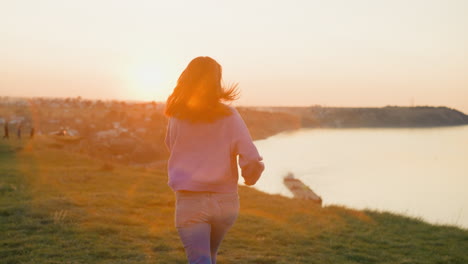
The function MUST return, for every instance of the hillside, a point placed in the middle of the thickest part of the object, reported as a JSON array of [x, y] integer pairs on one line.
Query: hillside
[[263, 124], [61, 207]]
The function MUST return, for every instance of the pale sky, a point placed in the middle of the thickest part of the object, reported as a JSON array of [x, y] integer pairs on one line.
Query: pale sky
[[291, 52]]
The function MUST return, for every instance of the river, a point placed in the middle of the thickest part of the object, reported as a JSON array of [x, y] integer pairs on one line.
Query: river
[[418, 172]]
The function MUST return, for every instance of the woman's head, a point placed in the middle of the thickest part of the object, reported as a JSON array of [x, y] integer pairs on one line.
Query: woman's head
[[198, 93]]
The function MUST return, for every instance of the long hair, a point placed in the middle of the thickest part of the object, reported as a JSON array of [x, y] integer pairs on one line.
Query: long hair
[[198, 94]]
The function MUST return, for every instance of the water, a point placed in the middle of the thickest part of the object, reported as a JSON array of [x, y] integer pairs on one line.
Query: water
[[416, 172]]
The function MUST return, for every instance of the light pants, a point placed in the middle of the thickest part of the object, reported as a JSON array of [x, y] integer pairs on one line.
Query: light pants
[[202, 219]]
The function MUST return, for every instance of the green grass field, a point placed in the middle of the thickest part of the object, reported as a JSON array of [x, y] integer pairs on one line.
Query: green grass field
[[60, 207]]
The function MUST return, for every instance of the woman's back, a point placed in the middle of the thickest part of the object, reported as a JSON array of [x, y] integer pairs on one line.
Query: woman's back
[[204, 155]]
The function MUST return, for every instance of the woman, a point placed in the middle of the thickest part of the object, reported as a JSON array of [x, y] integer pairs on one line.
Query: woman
[[204, 137]]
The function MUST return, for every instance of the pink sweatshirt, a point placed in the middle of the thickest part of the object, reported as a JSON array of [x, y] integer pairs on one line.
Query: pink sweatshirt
[[204, 155]]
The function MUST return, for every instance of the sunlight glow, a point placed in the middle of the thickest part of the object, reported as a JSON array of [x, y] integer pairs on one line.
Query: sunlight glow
[[148, 82]]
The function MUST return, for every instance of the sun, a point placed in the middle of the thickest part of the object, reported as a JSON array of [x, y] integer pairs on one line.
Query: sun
[[149, 77], [148, 82]]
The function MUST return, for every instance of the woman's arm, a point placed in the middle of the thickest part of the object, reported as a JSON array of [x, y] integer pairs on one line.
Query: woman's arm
[[250, 160]]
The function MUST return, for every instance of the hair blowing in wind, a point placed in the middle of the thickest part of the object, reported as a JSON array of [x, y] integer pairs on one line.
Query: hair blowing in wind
[[199, 93]]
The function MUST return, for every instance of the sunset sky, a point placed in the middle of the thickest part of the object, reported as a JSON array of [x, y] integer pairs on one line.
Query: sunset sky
[[295, 52]]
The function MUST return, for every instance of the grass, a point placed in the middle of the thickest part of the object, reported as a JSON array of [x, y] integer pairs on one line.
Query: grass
[[60, 207]]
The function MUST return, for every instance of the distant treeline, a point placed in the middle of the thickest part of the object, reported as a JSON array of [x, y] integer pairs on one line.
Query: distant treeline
[[383, 117], [390, 116], [267, 121]]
